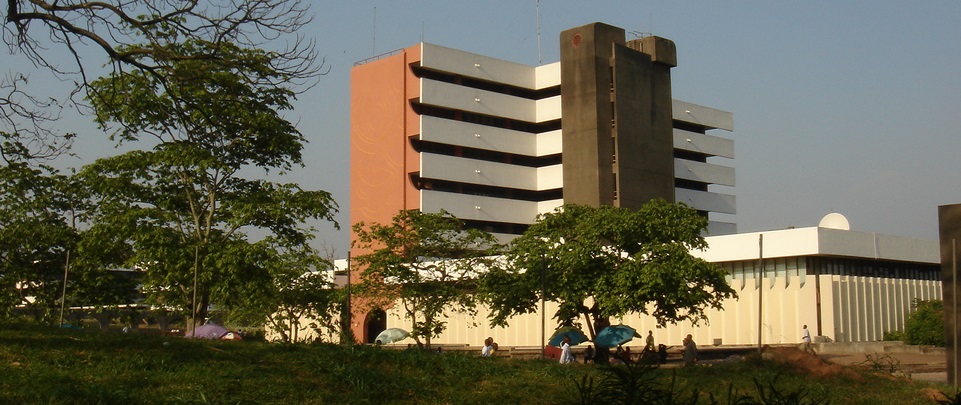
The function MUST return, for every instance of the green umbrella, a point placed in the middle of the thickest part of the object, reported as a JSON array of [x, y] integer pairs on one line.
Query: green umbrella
[[577, 337]]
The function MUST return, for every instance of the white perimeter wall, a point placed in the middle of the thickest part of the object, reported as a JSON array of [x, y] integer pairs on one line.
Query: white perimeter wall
[[853, 309]]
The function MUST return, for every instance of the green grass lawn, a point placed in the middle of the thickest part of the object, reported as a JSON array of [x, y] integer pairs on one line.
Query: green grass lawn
[[44, 365]]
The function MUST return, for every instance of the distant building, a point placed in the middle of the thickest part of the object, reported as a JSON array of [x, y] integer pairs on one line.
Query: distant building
[[847, 286], [496, 143]]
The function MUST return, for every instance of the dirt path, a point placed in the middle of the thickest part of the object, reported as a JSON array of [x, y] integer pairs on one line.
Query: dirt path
[[921, 366]]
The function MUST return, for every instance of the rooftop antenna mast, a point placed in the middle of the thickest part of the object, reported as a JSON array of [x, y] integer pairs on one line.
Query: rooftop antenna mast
[[651, 17], [537, 6], [373, 35]]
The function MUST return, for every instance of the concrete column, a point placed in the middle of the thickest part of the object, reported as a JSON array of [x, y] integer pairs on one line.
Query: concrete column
[[949, 219], [617, 117]]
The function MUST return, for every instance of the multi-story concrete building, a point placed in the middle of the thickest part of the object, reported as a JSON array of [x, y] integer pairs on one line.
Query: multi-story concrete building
[[496, 143]]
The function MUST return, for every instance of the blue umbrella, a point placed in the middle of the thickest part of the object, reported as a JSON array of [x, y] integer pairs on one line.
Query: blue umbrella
[[577, 337], [615, 335]]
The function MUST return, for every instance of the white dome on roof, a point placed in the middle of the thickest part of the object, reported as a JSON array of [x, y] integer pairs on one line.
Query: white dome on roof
[[835, 221]]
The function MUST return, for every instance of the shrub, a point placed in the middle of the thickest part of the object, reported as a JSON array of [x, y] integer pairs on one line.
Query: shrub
[[925, 326], [894, 336]]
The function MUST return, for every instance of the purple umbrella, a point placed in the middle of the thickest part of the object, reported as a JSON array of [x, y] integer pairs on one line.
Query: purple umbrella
[[208, 331]]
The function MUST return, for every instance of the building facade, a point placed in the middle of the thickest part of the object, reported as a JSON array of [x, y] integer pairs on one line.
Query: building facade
[[846, 286], [496, 143]]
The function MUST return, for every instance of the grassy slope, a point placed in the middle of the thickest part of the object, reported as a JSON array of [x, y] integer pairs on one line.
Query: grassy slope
[[63, 366]]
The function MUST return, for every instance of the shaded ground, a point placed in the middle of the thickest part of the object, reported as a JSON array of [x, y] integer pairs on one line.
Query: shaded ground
[[920, 366], [810, 363], [909, 362]]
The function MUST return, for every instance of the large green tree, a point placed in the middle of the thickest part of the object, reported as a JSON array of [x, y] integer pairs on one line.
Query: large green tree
[[182, 210], [598, 263], [428, 262], [40, 241], [34, 238]]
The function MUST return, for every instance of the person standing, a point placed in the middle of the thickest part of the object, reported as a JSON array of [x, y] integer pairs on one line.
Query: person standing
[[690, 351], [649, 344], [566, 356], [806, 339]]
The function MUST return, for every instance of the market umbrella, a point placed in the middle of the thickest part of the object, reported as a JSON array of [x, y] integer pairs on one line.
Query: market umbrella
[[208, 331], [615, 335], [577, 337], [391, 335]]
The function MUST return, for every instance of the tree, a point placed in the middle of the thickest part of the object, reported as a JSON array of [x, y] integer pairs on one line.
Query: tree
[[39, 239], [604, 262], [183, 209], [34, 238], [292, 295], [144, 35], [426, 261]]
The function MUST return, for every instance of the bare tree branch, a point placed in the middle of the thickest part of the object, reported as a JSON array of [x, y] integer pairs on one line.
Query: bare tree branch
[[146, 36], [23, 118]]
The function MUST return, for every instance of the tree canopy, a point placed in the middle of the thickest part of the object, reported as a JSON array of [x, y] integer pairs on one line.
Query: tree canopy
[[199, 88], [605, 262], [183, 210], [34, 237], [426, 261], [72, 39]]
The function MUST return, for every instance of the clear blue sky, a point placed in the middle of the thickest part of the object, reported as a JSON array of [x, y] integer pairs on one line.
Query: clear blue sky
[[850, 107]]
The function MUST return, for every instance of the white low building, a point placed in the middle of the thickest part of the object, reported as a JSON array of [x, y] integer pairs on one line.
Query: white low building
[[847, 286]]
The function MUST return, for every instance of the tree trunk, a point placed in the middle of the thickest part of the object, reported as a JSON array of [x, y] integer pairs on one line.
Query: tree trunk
[[428, 321], [602, 355]]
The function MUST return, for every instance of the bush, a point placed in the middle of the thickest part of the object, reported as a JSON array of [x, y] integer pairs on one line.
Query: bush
[[894, 336], [925, 326]]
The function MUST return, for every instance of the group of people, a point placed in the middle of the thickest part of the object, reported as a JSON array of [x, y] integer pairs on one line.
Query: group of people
[[623, 354], [490, 347], [688, 351]]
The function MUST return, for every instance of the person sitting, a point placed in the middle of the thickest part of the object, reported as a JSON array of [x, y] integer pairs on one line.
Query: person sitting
[[589, 354], [488, 347], [662, 353]]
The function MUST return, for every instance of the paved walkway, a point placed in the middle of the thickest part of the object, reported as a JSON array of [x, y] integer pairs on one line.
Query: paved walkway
[[921, 366]]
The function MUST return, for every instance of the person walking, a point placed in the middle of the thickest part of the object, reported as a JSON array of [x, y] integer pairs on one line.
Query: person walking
[[566, 356], [806, 339]]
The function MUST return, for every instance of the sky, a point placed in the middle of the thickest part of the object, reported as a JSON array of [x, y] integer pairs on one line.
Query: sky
[[851, 107]]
